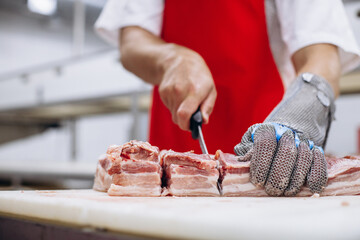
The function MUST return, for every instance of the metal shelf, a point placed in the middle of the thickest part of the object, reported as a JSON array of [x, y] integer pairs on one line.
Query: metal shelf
[[350, 83], [56, 111], [24, 121]]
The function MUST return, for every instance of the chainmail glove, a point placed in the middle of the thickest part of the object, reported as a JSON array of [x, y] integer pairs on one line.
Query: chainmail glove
[[287, 149]]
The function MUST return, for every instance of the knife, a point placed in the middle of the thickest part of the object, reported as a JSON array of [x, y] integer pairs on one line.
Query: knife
[[196, 132]]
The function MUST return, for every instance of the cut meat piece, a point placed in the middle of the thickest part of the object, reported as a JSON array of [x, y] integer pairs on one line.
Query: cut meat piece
[[141, 179], [182, 177], [343, 177], [131, 151], [140, 167], [341, 166], [200, 161], [102, 180], [134, 166], [191, 181], [134, 191], [189, 174], [137, 150], [234, 177]]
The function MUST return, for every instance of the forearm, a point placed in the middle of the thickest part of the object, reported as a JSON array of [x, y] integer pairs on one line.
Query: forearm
[[184, 79], [320, 59], [140, 53], [144, 54]]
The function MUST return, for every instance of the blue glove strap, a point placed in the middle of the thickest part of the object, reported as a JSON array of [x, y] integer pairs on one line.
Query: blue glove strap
[[311, 144], [253, 132], [297, 140], [281, 129], [321, 149]]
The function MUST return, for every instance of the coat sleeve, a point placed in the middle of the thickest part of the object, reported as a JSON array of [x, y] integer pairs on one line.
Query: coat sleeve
[[307, 22], [121, 13]]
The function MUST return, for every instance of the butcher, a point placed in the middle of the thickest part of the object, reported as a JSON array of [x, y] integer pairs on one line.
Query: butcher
[[265, 75]]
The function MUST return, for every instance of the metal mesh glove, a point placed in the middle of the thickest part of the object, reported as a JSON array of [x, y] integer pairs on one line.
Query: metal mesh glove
[[283, 155]]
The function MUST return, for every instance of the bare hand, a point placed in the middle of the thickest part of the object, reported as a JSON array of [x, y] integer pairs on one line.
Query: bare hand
[[186, 84]]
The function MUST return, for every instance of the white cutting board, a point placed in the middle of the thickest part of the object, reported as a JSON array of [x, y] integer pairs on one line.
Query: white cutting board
[[194, 218]]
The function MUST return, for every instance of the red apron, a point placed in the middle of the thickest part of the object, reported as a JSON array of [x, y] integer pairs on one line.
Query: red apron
[[232, 38]]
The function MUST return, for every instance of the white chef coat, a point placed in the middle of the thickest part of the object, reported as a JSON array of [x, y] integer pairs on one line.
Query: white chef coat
[[291, 24]]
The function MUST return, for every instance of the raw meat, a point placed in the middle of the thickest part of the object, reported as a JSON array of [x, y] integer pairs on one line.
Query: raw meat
[[136, 169], [200, 161], [234, 177], [102, 180], [189, 174], [343, 177], [132, 169]]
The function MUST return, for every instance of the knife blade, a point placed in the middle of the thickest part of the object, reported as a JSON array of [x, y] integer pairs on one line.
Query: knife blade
[[196, 130]]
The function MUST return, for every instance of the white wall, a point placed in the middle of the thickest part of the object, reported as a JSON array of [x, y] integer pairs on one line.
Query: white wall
[[95, 134], [343, 137]]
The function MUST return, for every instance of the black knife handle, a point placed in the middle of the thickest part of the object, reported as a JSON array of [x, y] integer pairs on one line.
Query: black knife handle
[[195, 121]]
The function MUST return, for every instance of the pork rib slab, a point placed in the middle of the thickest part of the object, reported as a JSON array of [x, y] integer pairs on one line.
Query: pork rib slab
[[344, 177], [134, 166], [191, 181]]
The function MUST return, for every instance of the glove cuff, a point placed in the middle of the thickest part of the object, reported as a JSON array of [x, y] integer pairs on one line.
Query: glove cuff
[[307, 107], [325, 92]]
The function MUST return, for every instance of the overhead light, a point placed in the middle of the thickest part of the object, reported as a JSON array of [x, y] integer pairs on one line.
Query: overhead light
[[44, 7]]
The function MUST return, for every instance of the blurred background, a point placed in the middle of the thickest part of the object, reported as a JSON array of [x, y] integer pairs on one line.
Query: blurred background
[[64, 97]]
